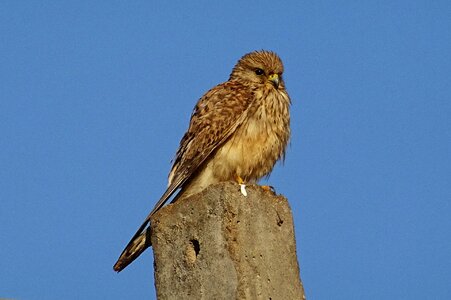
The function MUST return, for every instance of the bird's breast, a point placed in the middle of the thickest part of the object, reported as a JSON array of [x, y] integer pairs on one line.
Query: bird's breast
[[258, 143]]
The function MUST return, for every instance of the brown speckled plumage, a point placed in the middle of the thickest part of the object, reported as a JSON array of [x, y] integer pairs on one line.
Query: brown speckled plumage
[[238, 128]]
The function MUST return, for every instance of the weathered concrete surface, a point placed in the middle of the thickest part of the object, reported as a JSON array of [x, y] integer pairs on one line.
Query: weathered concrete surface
[[221, 245]]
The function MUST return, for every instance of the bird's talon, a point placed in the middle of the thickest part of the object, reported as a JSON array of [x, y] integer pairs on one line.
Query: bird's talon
[[269, 188]]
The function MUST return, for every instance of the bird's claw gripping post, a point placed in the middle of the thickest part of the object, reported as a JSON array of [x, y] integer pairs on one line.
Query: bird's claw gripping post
[[269, 188]]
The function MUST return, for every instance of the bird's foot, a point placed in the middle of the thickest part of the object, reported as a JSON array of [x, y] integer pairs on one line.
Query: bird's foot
[[268, 188], [240, 181]]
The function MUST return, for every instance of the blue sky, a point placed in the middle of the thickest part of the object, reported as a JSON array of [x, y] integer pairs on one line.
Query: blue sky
[[95, 96]]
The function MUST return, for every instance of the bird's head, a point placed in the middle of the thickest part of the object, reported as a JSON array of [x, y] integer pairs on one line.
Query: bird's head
[[260, 67]]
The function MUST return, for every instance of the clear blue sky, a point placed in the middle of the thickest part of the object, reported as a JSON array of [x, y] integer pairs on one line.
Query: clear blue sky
[[95, 96]]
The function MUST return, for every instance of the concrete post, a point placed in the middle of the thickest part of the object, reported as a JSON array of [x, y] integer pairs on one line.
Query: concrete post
[[221, 245]]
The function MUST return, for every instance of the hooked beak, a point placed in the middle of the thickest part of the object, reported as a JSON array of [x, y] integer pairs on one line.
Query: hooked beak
[[274, 78]]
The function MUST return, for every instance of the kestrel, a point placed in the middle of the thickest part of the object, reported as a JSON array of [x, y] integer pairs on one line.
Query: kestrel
[[238, 130]]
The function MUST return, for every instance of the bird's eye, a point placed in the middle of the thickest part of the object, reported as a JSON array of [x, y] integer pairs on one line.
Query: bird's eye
[[259, 71]]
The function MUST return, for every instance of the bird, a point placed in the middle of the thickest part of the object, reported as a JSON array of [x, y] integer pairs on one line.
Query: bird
[[238, 130]]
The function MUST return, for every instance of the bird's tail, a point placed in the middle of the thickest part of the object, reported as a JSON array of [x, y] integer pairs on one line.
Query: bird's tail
[[136, 246], [141, 240]]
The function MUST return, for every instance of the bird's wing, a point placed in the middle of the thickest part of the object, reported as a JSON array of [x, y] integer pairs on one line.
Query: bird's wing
[[215, 118]]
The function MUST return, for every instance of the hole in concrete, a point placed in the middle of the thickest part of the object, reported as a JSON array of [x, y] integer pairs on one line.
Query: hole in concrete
[[279, 219], [280, 222], [196, 246]]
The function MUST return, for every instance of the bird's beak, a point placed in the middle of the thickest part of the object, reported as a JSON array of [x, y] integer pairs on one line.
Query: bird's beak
[[274, 78]]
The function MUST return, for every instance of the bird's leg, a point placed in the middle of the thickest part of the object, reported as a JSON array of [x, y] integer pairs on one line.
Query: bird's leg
[[238, 179], [242, 185]]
